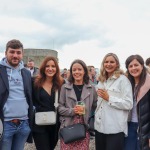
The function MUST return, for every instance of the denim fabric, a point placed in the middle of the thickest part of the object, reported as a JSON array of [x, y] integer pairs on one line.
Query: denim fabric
[[132, 141], [15, 136]]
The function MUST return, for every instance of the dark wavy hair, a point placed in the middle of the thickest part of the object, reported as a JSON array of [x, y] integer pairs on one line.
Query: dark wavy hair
[[142, 76], [41, 77], [85, 77]]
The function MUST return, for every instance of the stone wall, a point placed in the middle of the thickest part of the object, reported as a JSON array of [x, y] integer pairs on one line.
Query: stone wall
[[38, 55]]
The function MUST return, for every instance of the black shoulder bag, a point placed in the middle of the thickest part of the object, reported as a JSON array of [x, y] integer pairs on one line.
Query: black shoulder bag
[[73, 133]]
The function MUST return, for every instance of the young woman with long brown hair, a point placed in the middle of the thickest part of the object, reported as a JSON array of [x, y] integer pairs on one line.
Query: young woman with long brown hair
[[46, 83], [139, 118]]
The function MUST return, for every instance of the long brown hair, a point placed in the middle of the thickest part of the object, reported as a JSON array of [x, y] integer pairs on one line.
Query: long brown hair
[[142, 75], [41, 77]]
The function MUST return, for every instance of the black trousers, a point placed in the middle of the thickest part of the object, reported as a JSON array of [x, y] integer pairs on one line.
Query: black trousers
[[109, 141], [45, 140]]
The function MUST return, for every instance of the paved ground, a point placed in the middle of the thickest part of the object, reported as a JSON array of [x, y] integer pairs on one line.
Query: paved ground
[[32, 147]]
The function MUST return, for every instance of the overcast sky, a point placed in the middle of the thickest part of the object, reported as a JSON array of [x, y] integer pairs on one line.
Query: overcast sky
[[84, 29]]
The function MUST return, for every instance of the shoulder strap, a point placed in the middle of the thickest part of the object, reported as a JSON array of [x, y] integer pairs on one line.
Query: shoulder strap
[[56, 99]]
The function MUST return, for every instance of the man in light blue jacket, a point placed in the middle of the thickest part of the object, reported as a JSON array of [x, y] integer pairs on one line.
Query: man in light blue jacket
[[15, 98]]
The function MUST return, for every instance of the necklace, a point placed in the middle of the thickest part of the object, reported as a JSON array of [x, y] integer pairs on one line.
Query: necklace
[[79, 87]]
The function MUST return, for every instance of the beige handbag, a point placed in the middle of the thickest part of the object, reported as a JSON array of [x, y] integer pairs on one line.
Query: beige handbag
[[49, 117]]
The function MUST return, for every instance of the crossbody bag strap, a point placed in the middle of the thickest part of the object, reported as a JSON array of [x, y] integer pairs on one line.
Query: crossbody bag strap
[[56, 100]]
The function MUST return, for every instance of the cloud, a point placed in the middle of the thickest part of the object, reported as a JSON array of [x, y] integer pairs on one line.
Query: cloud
[[65, 25], [78, 29]]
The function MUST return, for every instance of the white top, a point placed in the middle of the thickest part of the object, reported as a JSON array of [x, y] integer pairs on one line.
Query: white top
[[134, 117], [111, 117], [32, 70]]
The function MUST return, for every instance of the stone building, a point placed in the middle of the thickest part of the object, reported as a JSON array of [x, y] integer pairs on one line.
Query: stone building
[[38, 55]]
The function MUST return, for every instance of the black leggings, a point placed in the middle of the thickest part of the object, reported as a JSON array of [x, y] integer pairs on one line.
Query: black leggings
[[45, 140], [109, 141]]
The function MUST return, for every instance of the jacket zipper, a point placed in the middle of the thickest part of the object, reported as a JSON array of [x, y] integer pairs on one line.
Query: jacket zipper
[[140, 137]]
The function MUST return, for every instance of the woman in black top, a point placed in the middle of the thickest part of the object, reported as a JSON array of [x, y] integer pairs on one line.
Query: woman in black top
[[44, 86]]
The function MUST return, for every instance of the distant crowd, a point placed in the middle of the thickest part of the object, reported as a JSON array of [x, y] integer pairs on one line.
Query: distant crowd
[[45, 104]]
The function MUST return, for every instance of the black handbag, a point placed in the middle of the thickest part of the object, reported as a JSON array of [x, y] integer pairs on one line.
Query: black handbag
[[73, 133]]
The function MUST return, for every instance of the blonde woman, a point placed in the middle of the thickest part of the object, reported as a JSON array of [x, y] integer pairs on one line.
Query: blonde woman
[[114, 102]]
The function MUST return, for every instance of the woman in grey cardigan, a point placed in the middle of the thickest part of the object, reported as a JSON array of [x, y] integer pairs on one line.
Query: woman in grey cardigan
[[78, 89]]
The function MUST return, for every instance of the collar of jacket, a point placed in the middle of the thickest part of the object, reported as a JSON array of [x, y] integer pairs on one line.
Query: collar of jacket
[[85, 91], [144, 89], [3, 74], [70, 85], [113, 77]]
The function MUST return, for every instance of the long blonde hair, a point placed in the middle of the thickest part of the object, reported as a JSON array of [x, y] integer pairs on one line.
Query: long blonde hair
[[103, 74]]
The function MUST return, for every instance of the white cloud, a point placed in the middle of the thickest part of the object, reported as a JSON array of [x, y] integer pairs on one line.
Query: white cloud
[[79, 29], [23, 25]]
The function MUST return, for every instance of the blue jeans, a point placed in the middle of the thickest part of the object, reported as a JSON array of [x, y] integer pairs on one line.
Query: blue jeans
[[15, 136], [132, 140]]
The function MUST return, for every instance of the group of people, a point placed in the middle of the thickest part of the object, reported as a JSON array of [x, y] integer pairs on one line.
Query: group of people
[[120, 102]]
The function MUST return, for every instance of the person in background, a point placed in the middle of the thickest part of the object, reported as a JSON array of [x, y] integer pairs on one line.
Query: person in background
[[68, 74], [139, 118], [64, 73], [34, 70], [16, 109], [147, 62], [114, 102], [93, 81], [92, 75], [45, 84], [77, 90]]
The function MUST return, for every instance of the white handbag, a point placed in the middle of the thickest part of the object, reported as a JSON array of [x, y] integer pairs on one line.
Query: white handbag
[[49, 117]]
